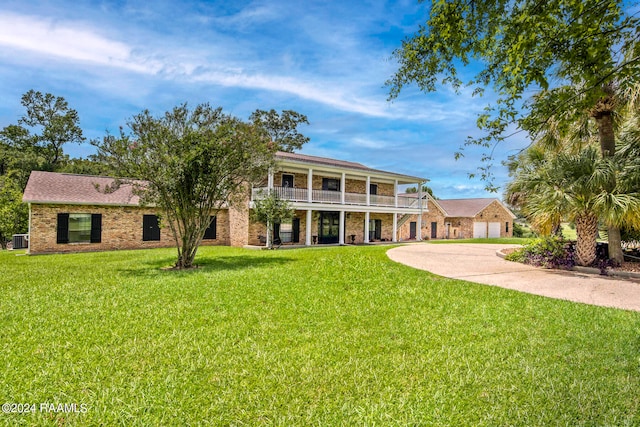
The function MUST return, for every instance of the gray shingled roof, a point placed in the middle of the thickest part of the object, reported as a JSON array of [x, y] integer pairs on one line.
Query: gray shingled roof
[[52, 187]]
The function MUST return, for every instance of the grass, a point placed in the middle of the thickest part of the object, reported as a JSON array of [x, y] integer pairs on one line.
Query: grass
[[323, 336]]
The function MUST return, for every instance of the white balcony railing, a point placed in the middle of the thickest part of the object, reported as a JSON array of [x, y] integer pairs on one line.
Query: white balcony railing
[[335, 197]]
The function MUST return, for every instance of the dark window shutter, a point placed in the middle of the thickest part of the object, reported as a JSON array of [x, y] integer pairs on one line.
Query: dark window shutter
[[210, 232], [96, 228], [378, 229], [63, 228], [150, 228], [296, 230], [276, 231]]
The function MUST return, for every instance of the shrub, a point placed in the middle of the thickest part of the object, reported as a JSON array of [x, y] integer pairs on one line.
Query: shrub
[[549, 252]]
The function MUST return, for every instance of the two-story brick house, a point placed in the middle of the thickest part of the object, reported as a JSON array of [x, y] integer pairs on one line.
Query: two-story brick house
[[335, 202]]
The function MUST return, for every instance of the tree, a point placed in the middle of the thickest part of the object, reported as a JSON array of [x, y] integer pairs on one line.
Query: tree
[[58, 125], [566, 186], [14, 215], [269, 209], [282, 127], [579, 186], [425, 189], [191, 163], [574, 55]]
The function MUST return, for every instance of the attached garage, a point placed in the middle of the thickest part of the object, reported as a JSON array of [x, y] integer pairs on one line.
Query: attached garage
[[494, 229], [480, 230]]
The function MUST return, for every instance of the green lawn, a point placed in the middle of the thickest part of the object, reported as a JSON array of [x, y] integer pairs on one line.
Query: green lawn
[[323, 336]]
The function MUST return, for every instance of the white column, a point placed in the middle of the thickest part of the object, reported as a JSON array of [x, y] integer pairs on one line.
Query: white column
[[343, 186], [307, 239], [395, 192], [342, 218], [310, 186], [394, 238], [270, 180], [366, 227], [419, 222], [368, 188]]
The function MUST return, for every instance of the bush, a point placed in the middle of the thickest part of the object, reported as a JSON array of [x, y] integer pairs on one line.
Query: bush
[[549, 252], [520, 230]]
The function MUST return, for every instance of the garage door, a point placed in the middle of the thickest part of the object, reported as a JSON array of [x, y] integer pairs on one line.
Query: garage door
[[494, 229], [479, 230]]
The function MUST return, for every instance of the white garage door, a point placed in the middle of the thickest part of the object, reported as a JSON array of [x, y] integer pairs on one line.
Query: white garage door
[[479, 230], [494, 229]]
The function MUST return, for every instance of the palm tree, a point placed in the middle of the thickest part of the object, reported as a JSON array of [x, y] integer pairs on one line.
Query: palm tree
[[582, 187], [560, 187]]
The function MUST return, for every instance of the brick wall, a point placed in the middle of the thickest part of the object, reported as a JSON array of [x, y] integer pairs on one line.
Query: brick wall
[[121, 229], [433, 214], [460, 228]]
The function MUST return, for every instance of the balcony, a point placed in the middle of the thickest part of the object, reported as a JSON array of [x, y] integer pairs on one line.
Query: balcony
[[335, 197]]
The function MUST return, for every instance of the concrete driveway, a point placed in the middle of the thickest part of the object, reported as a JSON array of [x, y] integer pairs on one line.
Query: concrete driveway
[[479, 263]]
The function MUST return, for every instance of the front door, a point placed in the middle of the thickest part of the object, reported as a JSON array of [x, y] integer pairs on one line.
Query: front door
[[329, 227], [434, 230], [412, 230]]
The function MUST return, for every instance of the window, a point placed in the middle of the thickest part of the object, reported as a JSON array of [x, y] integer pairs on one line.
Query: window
[[150, 228], [330, 184], [210, 233], [287, 232], [375, 229], [79, 228], [373, 189], [287, 180], [506, 226]]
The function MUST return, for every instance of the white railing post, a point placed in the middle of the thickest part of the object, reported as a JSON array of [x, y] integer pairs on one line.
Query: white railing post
[[343, 186]]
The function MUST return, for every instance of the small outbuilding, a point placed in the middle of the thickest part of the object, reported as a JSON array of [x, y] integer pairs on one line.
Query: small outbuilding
[[462, 219]]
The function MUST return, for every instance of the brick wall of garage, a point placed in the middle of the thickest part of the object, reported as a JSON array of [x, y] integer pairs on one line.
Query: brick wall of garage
[[121, 229]]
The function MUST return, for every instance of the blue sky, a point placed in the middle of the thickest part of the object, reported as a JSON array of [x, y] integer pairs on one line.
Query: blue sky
[[327, 60]]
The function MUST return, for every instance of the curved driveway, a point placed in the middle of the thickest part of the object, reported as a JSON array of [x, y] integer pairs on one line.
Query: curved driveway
[[479, 263]]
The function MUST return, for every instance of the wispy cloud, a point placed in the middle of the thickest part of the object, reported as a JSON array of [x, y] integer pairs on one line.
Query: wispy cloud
[[73, 42], [328, 60]]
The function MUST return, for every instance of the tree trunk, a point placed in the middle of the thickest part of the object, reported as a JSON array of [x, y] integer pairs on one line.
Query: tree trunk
[[587, 232], [615, 245], [603, 113]]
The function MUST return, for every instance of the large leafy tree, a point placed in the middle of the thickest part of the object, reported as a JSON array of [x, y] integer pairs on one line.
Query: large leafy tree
[[282, 127], [46, 127], [192, 163], [576, 57]]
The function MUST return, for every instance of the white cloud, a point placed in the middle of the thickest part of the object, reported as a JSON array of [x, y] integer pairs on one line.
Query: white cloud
[[69, 41]]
